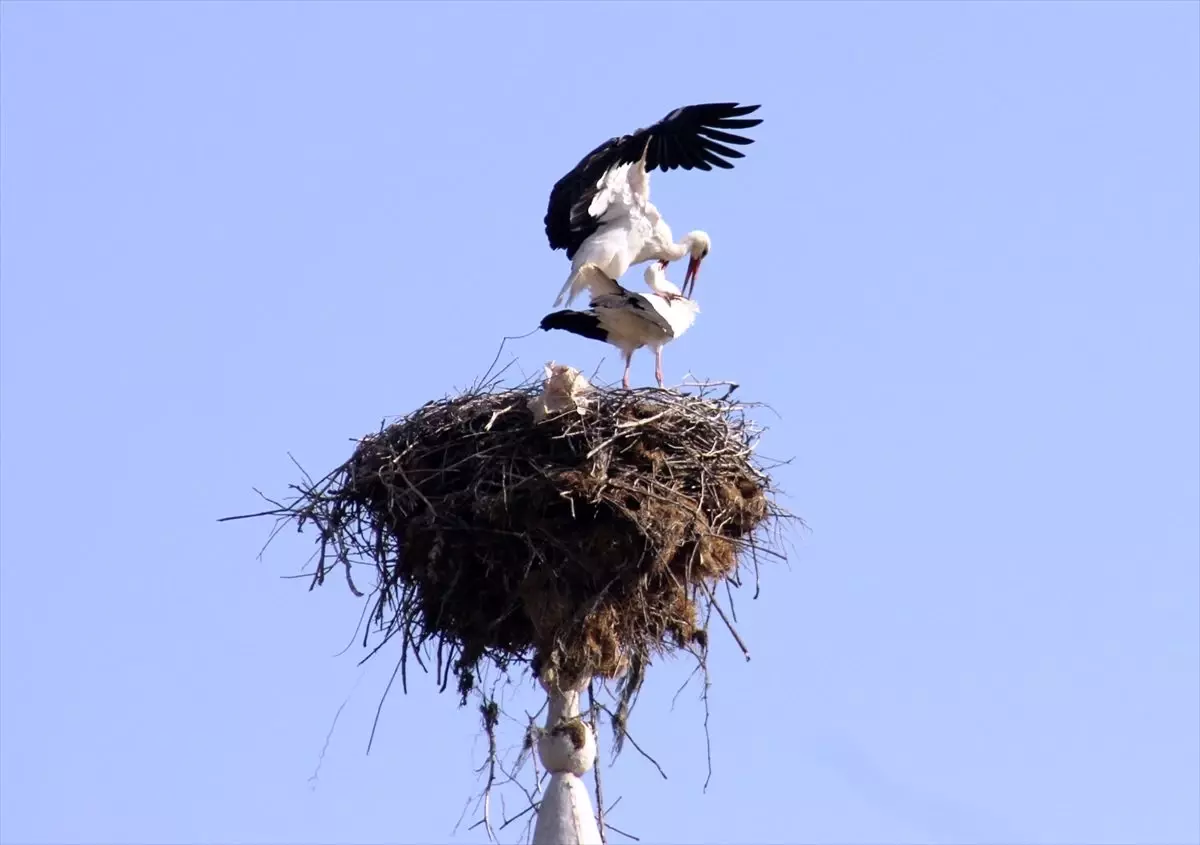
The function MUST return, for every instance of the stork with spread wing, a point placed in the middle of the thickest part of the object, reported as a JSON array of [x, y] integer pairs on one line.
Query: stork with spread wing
[[601, 213]]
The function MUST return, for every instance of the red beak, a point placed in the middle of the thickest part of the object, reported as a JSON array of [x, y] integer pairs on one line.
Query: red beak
[[689, 278]]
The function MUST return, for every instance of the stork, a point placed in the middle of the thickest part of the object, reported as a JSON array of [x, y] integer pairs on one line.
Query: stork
[[629, 320], [601, 213]]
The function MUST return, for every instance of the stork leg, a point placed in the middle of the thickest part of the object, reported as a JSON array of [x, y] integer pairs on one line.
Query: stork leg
[[658, 366], [628, 363]]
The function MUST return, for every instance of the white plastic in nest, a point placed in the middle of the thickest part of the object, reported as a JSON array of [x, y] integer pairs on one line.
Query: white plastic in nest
[[566, 389]]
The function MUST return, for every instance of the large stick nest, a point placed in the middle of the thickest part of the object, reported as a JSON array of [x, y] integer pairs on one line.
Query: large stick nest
[[582, 542]]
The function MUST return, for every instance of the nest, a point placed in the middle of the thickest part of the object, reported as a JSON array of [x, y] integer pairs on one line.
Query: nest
[[581, 540]]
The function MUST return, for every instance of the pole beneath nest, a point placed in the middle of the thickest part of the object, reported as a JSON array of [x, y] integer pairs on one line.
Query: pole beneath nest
[[567, 748]]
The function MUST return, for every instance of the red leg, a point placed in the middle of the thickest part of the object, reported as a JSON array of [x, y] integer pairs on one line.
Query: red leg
[[658, 374], [628, 362]]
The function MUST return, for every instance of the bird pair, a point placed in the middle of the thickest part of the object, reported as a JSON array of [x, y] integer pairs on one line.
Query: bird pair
[[601, 214]]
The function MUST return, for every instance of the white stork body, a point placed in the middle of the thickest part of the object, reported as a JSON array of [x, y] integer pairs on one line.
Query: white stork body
[[614, 248], [627, 320], [601, 213], [634, 234]]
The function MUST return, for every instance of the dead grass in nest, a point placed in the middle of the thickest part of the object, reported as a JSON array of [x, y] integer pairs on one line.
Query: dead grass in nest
[[581, 544]]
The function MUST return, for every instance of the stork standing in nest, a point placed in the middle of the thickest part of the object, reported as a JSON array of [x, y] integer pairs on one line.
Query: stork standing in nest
[[601, 213], [629, 320]]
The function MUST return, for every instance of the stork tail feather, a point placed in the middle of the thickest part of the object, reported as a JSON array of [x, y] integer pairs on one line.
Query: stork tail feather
[[575, 322]]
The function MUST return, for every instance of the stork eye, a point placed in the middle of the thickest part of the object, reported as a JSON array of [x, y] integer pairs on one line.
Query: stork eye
[[704, 254]]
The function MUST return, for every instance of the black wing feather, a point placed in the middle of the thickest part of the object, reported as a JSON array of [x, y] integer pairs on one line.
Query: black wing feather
[[576, 322], [689, 138]]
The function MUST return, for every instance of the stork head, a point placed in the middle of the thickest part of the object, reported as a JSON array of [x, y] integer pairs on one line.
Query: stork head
[[699, 245]]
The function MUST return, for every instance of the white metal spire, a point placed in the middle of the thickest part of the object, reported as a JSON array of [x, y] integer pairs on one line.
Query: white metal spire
[[567, 749]]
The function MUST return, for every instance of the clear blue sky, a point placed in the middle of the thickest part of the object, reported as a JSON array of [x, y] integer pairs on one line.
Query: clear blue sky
[[962, 262]]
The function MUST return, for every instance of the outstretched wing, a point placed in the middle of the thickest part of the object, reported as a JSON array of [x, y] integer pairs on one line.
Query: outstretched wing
[[692, 137]]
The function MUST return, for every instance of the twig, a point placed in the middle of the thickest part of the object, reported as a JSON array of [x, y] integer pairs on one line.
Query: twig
[[321, 757], [490, 713], [645, 421], [707, 734], [618, 830], [496, 415], [379, 709], [503, 341], [592, 709], [507, 822], [684, 685], [633, 742], [280, 511], [725, 619]]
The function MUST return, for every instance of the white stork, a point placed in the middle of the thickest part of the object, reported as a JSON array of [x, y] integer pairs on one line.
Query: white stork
[[601, 213], [629, 320]]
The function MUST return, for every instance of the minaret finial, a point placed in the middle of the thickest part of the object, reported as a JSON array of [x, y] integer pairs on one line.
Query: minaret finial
[[567, 749]]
